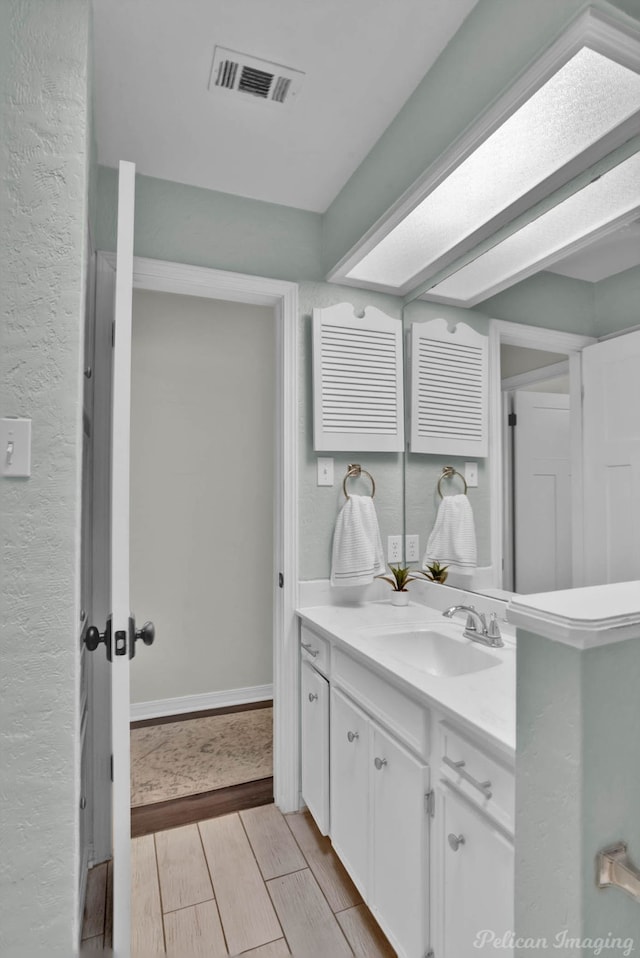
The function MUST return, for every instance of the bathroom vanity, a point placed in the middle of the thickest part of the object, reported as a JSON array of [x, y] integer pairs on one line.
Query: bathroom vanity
[[408, 747]]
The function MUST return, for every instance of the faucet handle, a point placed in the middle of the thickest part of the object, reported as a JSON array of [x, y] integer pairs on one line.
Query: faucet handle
[[471, 620], [494, 628]]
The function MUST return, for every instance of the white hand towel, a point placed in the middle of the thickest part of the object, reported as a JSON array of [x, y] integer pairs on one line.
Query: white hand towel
[[453, 539], [357, 547]]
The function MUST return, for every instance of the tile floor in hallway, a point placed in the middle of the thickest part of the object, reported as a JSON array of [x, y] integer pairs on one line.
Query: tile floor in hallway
[[251, 883]]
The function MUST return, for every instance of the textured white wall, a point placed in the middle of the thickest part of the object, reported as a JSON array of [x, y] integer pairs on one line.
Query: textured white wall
[[202, 461], [43, 65]]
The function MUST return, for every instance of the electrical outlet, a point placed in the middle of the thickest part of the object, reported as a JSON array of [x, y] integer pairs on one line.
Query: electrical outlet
[[412, 548], [394, 548]]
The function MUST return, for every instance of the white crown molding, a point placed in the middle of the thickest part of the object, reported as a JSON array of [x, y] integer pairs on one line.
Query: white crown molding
[[585, 618], [535, 376]]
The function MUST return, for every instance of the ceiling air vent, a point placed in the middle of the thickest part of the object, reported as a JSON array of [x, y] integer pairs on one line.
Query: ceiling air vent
[[240, 73]]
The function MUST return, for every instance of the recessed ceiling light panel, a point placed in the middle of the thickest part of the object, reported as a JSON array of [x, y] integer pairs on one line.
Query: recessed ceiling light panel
[[602, 205], [583, 102]]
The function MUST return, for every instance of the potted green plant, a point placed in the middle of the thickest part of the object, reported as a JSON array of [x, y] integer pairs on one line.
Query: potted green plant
[[436, 572], [398, 580]]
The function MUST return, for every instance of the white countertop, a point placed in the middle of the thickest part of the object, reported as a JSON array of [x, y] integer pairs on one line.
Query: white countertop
[[484, 701]]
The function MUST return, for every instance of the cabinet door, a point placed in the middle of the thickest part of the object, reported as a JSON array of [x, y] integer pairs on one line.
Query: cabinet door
[[314, 709], [478, 878], [400, 893], [350, 788]]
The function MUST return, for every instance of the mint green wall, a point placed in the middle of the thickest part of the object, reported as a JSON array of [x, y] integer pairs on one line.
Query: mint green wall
[[549, 300], [186, 224], [496, 42], [44, 151], [577, 788], [617, 302]]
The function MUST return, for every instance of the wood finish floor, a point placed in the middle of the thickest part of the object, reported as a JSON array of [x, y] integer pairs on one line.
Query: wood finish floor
[[253, 882]]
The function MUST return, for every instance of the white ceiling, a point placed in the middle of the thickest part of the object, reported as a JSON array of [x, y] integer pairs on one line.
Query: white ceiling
[[362, 59]]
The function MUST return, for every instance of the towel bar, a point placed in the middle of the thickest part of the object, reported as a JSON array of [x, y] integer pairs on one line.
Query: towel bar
[[353, 472], [615, 868], [448, 472]]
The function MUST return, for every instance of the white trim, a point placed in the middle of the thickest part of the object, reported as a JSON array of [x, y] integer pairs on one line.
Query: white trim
[[606, 30], [535, 376], [585, 618], [169, 277], [555, 341], [158, 708]]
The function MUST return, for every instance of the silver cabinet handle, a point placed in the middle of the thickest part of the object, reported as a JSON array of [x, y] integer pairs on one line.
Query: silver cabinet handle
[[455, 841], [379, 763], [459, 767], [313, 696], [310, 649], [352, 736]]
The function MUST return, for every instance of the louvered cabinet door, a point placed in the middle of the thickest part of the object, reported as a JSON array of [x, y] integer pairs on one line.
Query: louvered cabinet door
[[357, 381], [449, 389]]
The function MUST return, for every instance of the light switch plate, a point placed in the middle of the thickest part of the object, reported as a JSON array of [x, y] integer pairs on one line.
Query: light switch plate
[[15, 447], [471, 473], [325, 472]]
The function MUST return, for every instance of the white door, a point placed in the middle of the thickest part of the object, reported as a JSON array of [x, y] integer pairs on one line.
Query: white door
[[350, 788], [611, 449], [400, 888], [542, 492], [477, 892], [314, 709], [120, 635]]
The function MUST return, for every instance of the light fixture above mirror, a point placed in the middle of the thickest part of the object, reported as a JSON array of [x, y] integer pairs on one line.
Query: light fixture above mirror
[[576, 104]]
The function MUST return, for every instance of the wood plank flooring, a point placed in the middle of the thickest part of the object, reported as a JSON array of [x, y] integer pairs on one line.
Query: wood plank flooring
[[251, 883]]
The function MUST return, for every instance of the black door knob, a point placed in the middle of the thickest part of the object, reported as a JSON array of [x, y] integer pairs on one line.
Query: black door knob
[[93, 638], [147, 633]]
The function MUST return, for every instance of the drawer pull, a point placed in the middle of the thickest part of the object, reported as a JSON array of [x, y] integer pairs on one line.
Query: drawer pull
[[313, 696], [310, 649], [379, 763], [352, 736], [459, 767], [455, 841]]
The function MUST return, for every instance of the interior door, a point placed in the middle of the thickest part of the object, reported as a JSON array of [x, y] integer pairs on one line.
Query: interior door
[[119, 634], [542, 492], [611, 450]]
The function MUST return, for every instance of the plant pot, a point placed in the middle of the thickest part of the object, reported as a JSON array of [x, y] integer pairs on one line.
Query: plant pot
[[399, 598]]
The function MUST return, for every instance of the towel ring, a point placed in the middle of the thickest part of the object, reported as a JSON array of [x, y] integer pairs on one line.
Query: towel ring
[[448, 472], [353, 472]]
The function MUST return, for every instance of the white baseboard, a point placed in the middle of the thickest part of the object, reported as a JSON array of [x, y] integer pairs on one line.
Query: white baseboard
[[198, 703]]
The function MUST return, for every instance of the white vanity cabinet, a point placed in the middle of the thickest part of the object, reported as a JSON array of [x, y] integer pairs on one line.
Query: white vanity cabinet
[[314, 732], [477, 877], [474, 823], [379, 823]]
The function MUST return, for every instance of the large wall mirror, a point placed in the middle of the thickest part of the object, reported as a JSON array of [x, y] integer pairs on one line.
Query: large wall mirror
[[533, 488]]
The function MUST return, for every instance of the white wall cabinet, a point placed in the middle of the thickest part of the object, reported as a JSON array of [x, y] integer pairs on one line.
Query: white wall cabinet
[[477, 890], [314, 709]]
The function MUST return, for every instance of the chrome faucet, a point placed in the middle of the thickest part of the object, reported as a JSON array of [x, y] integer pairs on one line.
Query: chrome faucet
[[476, 628]]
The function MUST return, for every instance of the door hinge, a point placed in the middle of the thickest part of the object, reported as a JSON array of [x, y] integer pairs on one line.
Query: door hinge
[[111, 767], [430, 954], [281, 580], [430, 803], [512, 419]]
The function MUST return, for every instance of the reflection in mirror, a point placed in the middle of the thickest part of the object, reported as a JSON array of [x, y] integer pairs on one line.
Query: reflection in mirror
[[536, 450]]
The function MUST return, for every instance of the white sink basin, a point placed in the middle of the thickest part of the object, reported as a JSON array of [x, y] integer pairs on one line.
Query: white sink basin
[[434, 652]]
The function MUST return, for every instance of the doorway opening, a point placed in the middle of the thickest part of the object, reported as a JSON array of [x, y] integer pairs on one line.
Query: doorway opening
[[203, 441]]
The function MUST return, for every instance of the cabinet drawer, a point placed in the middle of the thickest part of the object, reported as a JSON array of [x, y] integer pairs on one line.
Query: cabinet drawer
[[314, 649], [481, 778], [405, 718]]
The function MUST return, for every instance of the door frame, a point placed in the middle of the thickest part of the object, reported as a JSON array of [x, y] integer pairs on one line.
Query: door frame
[[552, 340], [282, 296]]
